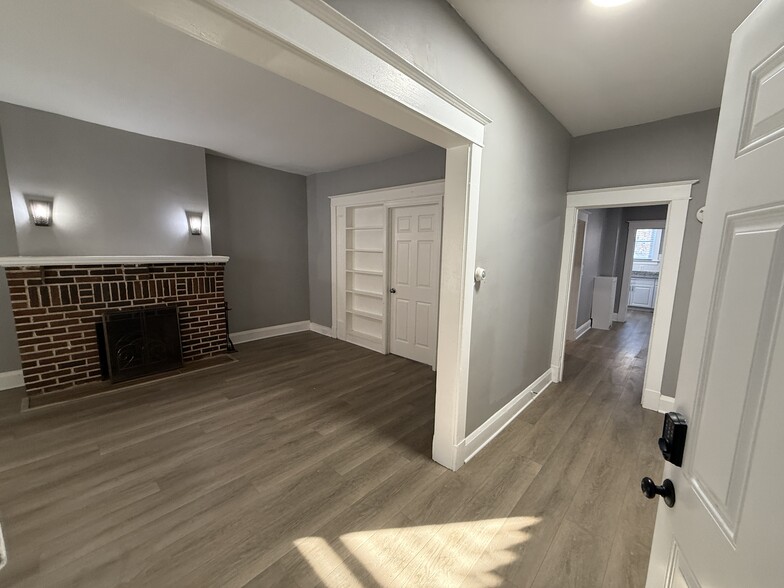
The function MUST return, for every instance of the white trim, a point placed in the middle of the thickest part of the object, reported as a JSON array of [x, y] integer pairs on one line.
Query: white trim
[[3, 553], [628, 261], [391, 194], [615, 318], [654, 400], [501, 419], [11, 380], [644, 194], [676, 195], [267, 332], [316, 49], [21, 261], [582, 329], [455, 310], [322, 330], [338, 21]]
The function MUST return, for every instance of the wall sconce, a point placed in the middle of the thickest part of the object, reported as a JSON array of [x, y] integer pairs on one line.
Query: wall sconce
[[194, 221], [40, 209]]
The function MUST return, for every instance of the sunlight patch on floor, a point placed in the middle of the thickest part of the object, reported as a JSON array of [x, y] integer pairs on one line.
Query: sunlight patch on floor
[[428, 555]]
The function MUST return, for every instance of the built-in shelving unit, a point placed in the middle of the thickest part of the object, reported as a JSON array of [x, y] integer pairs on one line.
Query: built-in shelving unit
[[362, 262]]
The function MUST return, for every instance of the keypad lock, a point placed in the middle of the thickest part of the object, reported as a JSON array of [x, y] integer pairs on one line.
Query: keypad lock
[[673, 439]]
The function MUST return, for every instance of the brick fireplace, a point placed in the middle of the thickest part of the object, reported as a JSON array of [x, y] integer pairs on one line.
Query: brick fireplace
[[56, 309]]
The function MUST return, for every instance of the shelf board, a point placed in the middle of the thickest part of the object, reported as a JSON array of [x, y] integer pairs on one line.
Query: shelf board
[[364, 228], [365, 336], [368, 315], [365, 272], [364, 250], [362, 293]]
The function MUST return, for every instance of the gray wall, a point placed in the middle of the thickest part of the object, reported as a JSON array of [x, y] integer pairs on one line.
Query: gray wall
[[115, 192], [522, 195], [260, 219], [679, 148], [422, 166], [9, 351]]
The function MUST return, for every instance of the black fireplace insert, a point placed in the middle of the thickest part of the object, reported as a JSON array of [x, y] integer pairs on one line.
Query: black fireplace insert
[[140, 342]]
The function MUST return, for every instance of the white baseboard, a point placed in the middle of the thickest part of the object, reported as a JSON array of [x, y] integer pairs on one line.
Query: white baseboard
[[267, 332], [10, 380], [655, 400], [321, 329], [614, 317], [474, 443], [582, 329]]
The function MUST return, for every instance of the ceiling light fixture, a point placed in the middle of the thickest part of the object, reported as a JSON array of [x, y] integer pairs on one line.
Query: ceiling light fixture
[[609, 3]]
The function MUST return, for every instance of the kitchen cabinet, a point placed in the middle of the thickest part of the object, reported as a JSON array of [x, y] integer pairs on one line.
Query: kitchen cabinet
[[642, 292]]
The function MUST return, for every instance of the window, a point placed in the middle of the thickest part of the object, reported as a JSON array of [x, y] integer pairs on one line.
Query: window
[[647, 244]]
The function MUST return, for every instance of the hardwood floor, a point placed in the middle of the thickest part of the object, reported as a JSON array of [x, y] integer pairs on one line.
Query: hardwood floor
[[307, 463]]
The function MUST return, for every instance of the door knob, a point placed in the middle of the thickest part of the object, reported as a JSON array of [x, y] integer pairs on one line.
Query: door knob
[[392, 290], [666, 490]]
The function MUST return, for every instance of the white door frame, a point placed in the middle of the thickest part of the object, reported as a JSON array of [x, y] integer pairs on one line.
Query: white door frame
[[573, 331], [393, 197], [628, 261], [676, 196]]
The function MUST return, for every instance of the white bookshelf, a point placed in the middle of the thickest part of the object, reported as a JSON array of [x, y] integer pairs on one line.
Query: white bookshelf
[[362, 261]]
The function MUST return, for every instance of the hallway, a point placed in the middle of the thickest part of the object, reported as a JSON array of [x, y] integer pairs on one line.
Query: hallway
[[594, 442]]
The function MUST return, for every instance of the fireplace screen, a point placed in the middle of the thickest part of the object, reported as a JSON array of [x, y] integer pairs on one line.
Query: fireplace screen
[[141, 342]]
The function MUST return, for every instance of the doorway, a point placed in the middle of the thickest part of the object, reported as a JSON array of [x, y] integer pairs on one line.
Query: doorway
[[321, 57], [675, 196], [642, 266]]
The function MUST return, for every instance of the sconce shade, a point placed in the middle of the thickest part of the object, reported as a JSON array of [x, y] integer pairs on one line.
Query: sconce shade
[[41, 212], [194, 222]]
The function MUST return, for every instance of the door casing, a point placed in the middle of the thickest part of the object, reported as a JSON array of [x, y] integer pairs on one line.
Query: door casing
[[418, 194], [676, 196]]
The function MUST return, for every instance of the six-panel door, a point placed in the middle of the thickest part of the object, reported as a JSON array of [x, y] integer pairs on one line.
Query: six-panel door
[[415, 255]]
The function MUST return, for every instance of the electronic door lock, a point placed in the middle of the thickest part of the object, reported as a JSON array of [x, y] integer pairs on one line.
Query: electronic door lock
[[673, 439]]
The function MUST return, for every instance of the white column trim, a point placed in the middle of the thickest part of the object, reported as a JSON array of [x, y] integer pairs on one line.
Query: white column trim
[[461, 210]]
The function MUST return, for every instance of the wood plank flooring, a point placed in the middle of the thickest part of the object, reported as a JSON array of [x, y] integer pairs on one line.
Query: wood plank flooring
[[307, 463]]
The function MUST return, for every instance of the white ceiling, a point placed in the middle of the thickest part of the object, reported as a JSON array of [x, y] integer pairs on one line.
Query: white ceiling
[[103, 62], [603, 68]]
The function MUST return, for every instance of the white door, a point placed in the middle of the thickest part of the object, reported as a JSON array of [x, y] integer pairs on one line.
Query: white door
[[416, 253], [727, 525]]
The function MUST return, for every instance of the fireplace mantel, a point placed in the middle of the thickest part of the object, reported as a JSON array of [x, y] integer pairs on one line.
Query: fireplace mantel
[[44, 261]]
